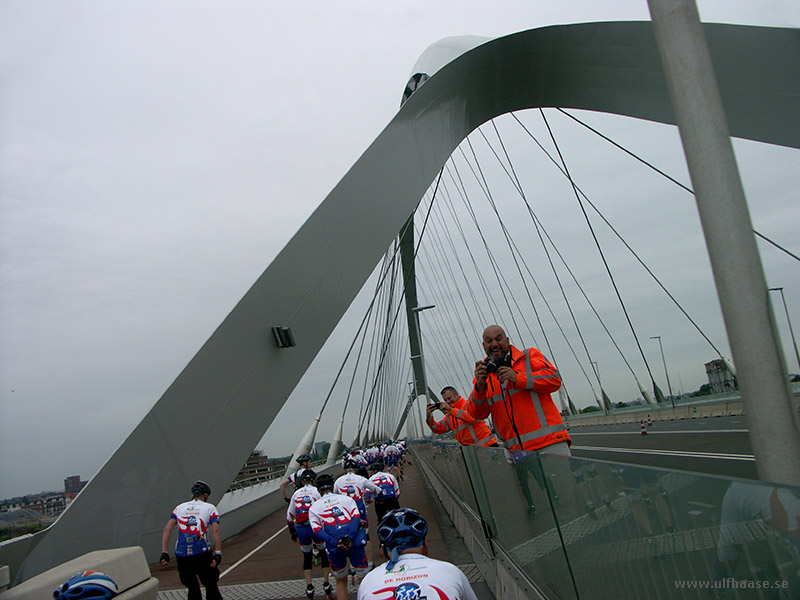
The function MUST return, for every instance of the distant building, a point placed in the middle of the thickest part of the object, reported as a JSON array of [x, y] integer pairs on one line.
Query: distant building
[[46, 504], [73, 484], [719, 377], [320, 448], [257, 469]]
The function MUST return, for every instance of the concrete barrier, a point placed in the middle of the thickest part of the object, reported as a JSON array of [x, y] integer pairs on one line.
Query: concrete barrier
[[126, 566]]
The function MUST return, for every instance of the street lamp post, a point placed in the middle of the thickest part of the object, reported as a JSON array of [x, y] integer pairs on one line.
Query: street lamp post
[[664, 360], [791, 331]]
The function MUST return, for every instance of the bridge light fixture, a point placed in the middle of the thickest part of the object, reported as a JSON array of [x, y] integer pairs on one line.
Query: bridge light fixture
[[283, 337]]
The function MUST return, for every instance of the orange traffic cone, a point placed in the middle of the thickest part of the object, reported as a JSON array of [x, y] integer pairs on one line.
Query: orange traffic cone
[[649, 421], [644, 427]]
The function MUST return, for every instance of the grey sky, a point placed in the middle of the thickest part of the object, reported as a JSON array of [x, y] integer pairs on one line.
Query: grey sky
[[155, 156]]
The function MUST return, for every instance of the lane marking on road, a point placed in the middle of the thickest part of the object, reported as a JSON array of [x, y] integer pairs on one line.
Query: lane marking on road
[[684, 453], [649, 432], [244, 558]]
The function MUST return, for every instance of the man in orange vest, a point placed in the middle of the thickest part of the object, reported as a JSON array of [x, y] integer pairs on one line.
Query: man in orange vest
[[514, 386], [468, 430]]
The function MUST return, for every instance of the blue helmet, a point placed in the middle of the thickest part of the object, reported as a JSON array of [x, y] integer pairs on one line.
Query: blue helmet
[[87, 584], [402, 527]]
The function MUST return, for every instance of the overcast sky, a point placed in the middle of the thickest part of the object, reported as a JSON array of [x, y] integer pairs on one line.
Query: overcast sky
[[156, 156]]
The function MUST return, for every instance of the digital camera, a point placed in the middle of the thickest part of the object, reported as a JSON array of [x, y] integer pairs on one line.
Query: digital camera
[[492, 365]]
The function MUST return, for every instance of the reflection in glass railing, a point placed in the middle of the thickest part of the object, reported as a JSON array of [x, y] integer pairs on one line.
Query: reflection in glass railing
[[646, 532], [445, 458], [594, 530]]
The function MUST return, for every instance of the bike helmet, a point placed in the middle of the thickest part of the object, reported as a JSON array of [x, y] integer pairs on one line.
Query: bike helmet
[[303, 458], [324, 482], [306, 475], [377, 466], [350, 464], [400, 529], [87, 584], [201, 487]]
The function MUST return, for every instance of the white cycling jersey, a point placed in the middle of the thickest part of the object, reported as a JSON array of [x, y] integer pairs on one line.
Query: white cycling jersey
[[416, 576], [354, 485]]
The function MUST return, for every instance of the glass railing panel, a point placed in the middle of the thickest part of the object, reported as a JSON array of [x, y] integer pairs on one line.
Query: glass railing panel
[[521, 520], [636, 532], [446, 459]]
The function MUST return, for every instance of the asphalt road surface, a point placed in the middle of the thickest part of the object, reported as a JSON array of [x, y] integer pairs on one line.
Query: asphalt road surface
[[714, 445]]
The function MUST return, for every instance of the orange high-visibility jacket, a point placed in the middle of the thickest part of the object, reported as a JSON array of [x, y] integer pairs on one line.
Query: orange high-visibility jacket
[[523, 411], [469, 430]]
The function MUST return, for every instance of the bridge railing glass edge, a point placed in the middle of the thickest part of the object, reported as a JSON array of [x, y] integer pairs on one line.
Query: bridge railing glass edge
[[591, 529]]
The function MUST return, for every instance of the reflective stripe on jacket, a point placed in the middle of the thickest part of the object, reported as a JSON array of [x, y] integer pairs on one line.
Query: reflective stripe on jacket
[[523, 411], [469, 431]]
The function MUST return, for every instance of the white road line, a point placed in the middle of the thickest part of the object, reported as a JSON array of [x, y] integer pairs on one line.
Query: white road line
[[650, 432], [244, 558], [684, 453]]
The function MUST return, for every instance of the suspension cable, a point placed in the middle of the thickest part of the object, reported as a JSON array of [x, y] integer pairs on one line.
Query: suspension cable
[[405, 285], [621, 239], [660, 172], [599, 248]]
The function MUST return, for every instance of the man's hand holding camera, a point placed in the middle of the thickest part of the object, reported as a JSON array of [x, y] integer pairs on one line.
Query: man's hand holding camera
[[488, 365], [506, 374], [429, 411], [481, 373], [442, 406]]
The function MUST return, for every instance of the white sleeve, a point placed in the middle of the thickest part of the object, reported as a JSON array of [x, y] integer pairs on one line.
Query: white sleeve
[[466, 589], [469, 593], [370, 485]]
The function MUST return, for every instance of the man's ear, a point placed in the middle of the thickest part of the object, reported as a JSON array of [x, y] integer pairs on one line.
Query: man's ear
[[385, 554], [425, 548]]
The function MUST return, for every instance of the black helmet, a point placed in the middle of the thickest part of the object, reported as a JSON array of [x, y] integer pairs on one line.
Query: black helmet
[[303, 458], [350, 464], [306, 475], [376, 466], [324, 482], [200, 488]]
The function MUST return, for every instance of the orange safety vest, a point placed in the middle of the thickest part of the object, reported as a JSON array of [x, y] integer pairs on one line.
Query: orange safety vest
[[523, 411], [469, 430]]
